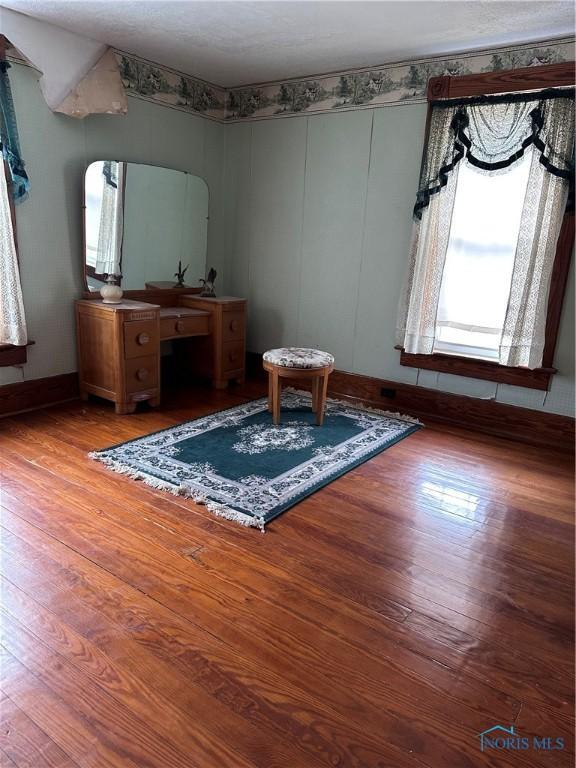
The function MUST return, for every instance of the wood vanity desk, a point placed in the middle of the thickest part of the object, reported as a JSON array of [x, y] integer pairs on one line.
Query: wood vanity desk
[[119, 344]]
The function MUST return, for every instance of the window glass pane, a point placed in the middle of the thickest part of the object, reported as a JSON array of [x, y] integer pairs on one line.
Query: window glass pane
[[480, 258]]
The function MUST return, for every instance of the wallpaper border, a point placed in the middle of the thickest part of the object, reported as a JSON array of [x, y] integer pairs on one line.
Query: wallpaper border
[[364, 88], [388, 85]]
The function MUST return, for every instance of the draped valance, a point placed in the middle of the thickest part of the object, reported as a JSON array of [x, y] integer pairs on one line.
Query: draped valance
[[492, 132]]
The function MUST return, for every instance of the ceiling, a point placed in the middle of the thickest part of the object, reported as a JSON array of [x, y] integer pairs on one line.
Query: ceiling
[[239, 42]]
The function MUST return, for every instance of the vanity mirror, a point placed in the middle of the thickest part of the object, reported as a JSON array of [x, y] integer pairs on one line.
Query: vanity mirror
[[145, 225]]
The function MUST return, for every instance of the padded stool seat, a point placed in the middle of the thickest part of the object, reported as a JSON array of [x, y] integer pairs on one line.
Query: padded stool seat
[[298, 357], [301, 363]]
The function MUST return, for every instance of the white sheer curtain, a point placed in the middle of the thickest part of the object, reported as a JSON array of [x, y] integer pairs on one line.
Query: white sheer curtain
[[421, 292], [524, 329], [12, 321], [518, 155], [111, 233]]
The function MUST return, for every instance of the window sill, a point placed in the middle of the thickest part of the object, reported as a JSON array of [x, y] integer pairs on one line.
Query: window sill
[[12, 355], [539, 378]]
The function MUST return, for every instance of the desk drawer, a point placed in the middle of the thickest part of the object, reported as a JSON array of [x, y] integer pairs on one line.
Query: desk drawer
[[173, 327], [233, 356], [140, 338], [142, 373], [233, 326]]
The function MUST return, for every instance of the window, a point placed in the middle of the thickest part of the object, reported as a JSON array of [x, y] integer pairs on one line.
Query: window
[[479, 260], [493, 235]]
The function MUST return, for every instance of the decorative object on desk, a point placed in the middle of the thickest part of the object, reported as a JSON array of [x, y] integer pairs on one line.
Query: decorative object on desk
[[208, 284], [179, 275], [111, 292], [243, 468]]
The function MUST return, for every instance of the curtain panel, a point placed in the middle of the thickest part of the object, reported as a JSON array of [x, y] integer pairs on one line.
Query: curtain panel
[[12, 320], [492, 133]]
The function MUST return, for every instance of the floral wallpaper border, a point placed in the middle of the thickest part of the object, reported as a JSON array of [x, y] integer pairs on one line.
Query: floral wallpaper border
[[146, 80], [369, 88], [380, 86]]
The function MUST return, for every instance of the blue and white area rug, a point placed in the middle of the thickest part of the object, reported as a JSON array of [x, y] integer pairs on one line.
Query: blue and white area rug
[[244, 468]]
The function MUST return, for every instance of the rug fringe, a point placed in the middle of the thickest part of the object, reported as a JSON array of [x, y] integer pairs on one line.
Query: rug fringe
[[218, 509], [359, 406], [222, 510]]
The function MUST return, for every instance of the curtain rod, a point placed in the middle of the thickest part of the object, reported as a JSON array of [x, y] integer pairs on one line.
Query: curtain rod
[[505, 98]]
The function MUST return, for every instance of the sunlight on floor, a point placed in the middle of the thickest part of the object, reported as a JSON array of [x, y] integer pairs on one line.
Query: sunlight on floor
[[451, 500]]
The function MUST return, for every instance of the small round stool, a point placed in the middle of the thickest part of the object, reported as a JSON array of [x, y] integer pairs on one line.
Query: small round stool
[[298, 363]]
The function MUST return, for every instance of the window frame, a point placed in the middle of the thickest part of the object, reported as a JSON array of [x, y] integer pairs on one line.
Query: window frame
[[485, 83]]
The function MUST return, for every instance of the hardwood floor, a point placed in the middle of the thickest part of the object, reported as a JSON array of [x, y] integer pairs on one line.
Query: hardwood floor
[[386, 620]]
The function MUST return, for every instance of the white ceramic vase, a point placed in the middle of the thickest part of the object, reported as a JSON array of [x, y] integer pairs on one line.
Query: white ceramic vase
[[111, 293]]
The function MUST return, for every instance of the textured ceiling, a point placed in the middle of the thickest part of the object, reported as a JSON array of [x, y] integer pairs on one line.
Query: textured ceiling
[[235, 43]]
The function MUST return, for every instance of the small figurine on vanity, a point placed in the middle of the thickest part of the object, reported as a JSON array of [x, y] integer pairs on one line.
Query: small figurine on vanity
[[208, 284], [179, 274]]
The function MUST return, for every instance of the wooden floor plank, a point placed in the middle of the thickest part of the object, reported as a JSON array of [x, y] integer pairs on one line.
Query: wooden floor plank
[[270, 637], [115, 722], [60, 720], [384, 621], [248, 687], [25, 744], [432, 587], [185, 715]]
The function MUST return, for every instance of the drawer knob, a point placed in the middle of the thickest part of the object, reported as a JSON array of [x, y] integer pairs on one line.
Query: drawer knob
[[180, 326], [142, 374], [233, 325], [143, 339], [232, 356]]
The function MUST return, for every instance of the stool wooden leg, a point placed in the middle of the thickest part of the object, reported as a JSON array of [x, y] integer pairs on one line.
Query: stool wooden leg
[[270, 393], [315, 393], [322, 403], [277, 396]]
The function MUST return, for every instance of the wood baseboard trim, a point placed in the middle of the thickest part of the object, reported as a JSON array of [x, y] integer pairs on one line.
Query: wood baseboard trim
[[524, 425], [38, 393]]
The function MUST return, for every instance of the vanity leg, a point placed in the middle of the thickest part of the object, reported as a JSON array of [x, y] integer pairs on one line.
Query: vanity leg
[[84, 395], [270, 394], [122, 409], [154, 401], [220, 383], [240, 380]]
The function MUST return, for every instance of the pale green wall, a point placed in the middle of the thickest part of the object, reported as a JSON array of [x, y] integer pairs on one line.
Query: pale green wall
[[56, 150], [318, 219]]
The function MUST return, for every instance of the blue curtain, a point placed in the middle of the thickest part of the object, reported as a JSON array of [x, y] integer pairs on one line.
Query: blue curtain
[[9, 144]]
